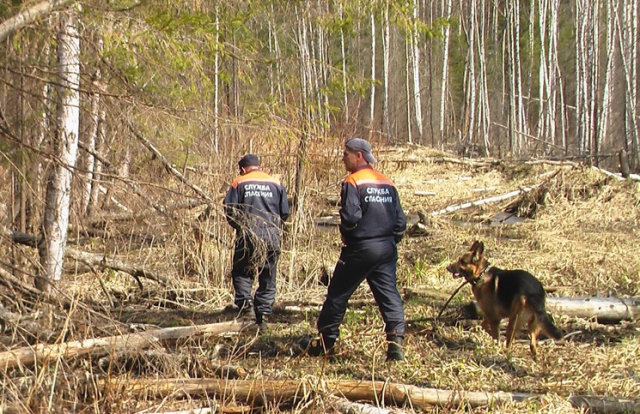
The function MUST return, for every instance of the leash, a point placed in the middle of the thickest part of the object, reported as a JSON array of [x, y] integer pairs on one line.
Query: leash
[[455, 292]]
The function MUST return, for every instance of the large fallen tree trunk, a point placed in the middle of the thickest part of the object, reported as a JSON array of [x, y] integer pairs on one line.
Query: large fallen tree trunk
[[605, 310], [392, 394], [98, 347]]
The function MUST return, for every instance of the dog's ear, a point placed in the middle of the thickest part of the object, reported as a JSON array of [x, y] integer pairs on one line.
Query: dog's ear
[[477, 248], [477, 245]]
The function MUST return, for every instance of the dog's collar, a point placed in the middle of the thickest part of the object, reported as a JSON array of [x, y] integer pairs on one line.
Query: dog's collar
[[474, 281]]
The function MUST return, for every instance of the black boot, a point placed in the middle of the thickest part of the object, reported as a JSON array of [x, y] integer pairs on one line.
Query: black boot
[[394, 349], [247, 311], [317, 347], [262, 323]]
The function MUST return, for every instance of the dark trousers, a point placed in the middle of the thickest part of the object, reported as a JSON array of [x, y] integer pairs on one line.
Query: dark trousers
[[374, 260], [251, 257]]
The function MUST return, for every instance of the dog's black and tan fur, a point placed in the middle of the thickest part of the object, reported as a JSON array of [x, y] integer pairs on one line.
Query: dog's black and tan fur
[[513, 294]]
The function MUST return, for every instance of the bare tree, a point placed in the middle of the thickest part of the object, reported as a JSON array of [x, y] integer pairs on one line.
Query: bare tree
[[372, 103], [58, 197], [386, 38], [415, 69], [445, 72], [608, 87]]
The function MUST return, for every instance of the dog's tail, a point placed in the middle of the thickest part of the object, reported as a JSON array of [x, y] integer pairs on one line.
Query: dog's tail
[[544, 320]]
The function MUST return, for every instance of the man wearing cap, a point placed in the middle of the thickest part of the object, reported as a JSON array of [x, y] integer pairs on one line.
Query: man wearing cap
[[255, 206], [371, 224]]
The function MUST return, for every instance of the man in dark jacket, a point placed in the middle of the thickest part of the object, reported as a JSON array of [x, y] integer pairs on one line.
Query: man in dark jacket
[[255, 206], [371, 224]]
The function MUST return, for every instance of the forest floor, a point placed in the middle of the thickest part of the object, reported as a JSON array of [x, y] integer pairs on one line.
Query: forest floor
[[572, 226]]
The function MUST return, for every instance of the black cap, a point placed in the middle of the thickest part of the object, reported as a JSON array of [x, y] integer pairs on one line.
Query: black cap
[[248, 160], [363, 146]]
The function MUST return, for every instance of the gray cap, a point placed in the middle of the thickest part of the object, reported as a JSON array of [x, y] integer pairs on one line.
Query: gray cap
[[363, 146], [248, 160]]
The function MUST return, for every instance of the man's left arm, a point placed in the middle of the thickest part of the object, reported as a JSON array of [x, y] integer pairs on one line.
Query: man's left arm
[[230, 204], [284, 205], [400, 225]]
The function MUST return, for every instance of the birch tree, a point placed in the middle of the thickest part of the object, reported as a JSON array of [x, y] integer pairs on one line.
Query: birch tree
[[386, 39], [372, 96], [58, 194], [609, 85], [484, 108], [414, 49], [628, 36], [470, 75], [91, 166], [444, 83]]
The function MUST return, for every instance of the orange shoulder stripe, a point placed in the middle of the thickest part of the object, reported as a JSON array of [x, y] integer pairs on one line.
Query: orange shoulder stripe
[[255, 176], [368, 176]]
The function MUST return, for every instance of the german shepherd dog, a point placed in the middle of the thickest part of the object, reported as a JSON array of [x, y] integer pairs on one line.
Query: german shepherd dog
[[513, 294]]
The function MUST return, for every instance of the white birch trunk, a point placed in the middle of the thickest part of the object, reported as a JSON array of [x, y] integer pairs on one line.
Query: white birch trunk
[[556, 87], [608, 88], [407, 50], [372, 102], [543, 77], [484, 108], [97, 171], [58, 196], [216, 84], [471, 82], [87, 160], [511, 80], [628, 49], [523, 129], [445, 73], [345, 98], [386, 38], [415, 69]]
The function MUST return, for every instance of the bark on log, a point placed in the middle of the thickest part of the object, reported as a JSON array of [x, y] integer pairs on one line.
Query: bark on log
[[344, 406], [605, 310], [463, 206], [217, 409], [392, 394], [635, 177], [102, 346]]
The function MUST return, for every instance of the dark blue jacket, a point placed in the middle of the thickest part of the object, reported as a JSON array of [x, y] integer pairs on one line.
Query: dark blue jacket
[[257, 202], [370, 207]]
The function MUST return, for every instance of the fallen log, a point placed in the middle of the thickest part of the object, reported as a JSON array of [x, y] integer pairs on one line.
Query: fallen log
[[344, 406], [15, 323], [605, 310], [476, 203], [97, 347], [217, 409], [617, 176], [101, 220], [91, 259], [104, 262], [281, 391], [391, 394]]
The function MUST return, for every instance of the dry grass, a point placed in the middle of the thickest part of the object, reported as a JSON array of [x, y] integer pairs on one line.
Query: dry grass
[[579, 233]]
